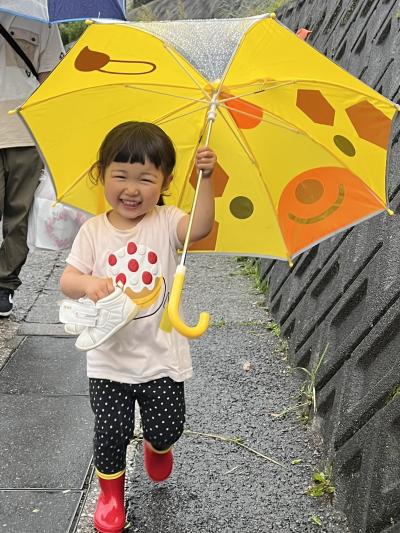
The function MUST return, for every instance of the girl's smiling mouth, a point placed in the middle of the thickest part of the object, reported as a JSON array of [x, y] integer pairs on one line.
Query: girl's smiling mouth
[[130, 203]]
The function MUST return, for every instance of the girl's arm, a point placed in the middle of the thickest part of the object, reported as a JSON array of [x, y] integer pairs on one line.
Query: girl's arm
[[75, 284], [205, 212]]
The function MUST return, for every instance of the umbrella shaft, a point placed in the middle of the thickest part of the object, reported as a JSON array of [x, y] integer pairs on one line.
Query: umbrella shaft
[[211, 119]]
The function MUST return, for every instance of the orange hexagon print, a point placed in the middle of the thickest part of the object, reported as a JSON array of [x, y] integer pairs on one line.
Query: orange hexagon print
[[320, 201]]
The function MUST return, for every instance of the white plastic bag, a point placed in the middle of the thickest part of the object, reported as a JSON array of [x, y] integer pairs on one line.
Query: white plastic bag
[[52, 226]]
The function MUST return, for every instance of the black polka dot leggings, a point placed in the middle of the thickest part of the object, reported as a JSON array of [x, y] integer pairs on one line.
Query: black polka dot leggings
[[162, 409]]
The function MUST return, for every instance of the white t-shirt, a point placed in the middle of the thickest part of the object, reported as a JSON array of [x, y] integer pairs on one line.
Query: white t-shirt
[[42, 44], [144, 259]]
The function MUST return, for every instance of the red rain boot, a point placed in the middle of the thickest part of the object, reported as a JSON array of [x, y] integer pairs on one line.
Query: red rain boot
[[109, 516], [158, 465]]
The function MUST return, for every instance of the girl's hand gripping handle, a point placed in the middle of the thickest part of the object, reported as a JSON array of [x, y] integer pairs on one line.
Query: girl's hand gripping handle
[[173, 308]]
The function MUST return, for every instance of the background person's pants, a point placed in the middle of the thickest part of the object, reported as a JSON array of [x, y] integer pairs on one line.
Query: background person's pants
[[19, 177], [162, 410]]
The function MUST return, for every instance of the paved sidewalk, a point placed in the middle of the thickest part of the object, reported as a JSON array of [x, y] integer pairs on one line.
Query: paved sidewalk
[[217, 484]]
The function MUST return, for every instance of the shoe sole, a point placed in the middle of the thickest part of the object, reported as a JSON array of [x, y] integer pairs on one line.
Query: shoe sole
[[130, 317], [6, 313], [73, 332], [101, 529]]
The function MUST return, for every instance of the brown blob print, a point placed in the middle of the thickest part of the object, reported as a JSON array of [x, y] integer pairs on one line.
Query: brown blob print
[[344, 145], [209, 242], [309, 191], [315, 106], [241, 207], [370, 123], [88, 60], [245, 114], [220, 179]]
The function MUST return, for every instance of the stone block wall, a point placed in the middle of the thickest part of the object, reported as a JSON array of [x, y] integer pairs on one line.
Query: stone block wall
[[345, 293]]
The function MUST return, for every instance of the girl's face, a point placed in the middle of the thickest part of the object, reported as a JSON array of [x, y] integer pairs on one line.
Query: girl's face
[[132, 189]]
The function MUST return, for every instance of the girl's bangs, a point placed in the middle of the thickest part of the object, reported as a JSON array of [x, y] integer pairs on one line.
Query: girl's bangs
[[138, 151]]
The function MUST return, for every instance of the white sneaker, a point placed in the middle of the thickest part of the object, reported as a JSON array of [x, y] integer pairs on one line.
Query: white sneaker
[[113, 312], [73, 329], [77, 314]]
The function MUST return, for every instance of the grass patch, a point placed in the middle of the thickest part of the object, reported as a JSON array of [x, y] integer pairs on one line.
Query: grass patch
[[307, 395], [394, 394], [145, 14], [223, 10], [283, 348], [237, 441], [218, 322], [251, 268], [316, 520], [274, 328], [250, 8], [322, 484], [306, 405]]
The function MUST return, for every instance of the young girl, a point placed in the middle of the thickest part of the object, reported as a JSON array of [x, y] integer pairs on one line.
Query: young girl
[[134, 244]]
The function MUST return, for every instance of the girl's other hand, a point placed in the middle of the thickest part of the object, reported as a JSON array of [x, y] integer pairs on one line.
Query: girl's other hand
[[97, 288], [205, 160]]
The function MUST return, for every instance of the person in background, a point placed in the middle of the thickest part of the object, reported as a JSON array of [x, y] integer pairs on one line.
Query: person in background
[[20, 163]]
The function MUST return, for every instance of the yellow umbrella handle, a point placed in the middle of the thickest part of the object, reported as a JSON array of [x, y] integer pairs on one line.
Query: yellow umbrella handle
[[173, 308]]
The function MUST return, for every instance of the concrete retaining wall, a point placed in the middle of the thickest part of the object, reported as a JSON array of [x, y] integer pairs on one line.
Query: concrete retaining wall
[[345, 291]]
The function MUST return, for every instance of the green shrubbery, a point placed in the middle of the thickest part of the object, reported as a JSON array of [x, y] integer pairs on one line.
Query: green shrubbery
[[71, 31], [223, 9], [253, 7]]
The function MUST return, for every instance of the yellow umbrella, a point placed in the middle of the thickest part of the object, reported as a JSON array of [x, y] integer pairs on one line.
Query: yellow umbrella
[[301, 144]]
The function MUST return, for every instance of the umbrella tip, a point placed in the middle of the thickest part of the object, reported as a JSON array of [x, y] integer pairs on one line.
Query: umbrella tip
[[303, 33], [88, 22], [290, 262], [389, 211], [11, 112], [272, 15]]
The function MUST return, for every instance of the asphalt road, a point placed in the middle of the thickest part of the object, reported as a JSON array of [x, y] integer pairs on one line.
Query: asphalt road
[[219, 483]]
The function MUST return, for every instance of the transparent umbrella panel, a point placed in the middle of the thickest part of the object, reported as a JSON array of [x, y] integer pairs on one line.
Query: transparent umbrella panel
[[209, 46]]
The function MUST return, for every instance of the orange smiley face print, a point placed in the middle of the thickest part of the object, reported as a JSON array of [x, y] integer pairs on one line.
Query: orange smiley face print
[[321, 201]]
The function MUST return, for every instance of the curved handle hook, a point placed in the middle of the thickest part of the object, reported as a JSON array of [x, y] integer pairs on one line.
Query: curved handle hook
[[173, 308]]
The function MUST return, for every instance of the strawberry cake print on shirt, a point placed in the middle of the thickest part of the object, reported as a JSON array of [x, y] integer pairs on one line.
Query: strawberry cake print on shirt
[[138, 268]]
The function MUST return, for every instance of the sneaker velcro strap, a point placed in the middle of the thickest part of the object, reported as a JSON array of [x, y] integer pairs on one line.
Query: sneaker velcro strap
[[78, 313]]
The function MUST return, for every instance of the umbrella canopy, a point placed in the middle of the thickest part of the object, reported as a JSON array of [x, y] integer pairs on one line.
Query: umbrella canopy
[[62, 10], [301, 144]]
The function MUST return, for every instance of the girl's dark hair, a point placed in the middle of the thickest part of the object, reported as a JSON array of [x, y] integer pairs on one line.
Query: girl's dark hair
[[134, 142]]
